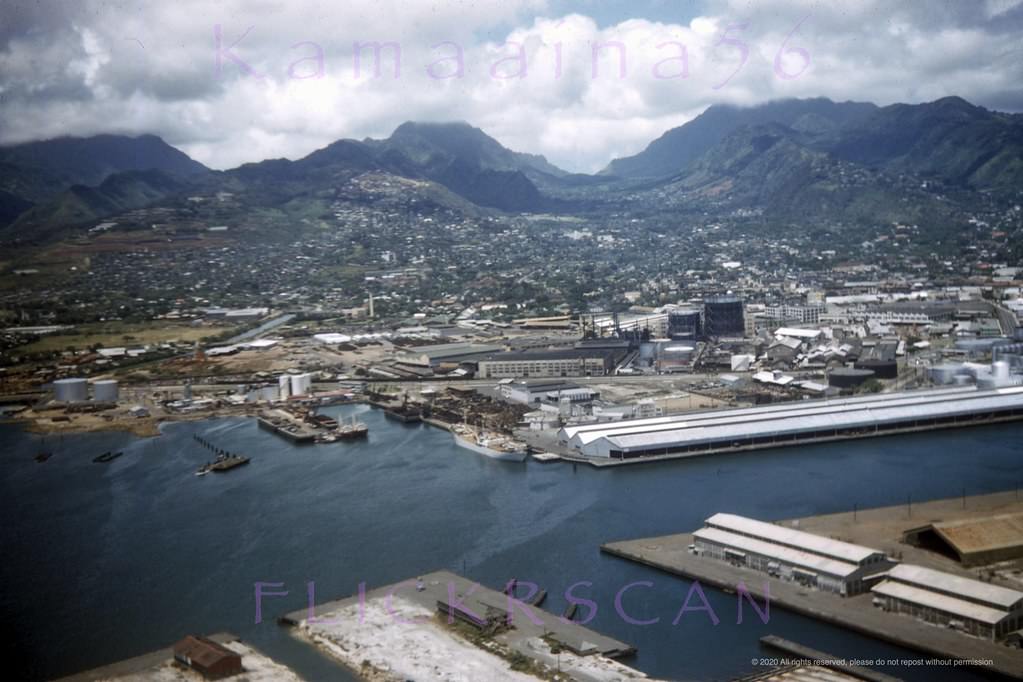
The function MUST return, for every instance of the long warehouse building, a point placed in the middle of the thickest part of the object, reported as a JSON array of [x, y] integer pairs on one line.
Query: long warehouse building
[[699, 433], [808, 559], [977, 608]]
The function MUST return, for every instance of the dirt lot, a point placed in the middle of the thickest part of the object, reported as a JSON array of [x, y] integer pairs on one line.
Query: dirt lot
[[118, 334]]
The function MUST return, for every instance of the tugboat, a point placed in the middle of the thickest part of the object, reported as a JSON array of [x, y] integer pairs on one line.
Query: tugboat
[[356, 429]]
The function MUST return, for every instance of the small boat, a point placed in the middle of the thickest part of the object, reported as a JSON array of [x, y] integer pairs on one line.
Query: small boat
[[106, 457], [569, 613], [510, 587], [539, 598], [42, 455]]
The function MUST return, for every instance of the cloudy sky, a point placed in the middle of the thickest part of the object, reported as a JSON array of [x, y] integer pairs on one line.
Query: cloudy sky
[[580, 81]]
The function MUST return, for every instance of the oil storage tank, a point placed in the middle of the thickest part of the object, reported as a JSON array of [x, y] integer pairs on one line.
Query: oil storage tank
[[71, 390], [847, 377], [105, 391], [723, 316]]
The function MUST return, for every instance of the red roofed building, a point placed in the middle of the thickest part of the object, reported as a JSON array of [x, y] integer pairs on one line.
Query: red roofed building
[[213, 661]]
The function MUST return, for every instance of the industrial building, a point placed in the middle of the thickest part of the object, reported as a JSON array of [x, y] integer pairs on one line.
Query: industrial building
[[880, 359], [803, 314], [550, 363], [811, 560], [782, 424], [973, 542], [971, 606], [546, 391], [71, 390], [723, 316], [685, 324], [433, 355]]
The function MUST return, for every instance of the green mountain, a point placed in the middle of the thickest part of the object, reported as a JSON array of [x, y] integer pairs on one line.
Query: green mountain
[[461, 158], [38, 173], [90, 160], [949, 139], [80, 205], [676, 149], [433, 146], [777, 170], [795, 160]]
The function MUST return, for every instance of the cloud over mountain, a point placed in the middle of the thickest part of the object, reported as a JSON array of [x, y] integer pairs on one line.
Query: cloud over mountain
[[552, 78]]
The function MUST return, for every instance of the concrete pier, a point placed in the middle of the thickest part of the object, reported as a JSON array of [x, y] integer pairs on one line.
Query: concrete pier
[[670, 553], [825, 660], [439, 585], [286, 428], [456, 629]]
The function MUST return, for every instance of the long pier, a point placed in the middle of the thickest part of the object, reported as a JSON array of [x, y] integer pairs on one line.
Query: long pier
[[287, 429], [670, 554], [436, 590], [825, 660]]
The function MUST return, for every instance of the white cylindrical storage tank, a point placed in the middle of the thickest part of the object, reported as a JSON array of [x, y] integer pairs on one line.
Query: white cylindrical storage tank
[[301, 383], [1000, 371], [71, 390], [105, 391], [284, 386], [945, 374]]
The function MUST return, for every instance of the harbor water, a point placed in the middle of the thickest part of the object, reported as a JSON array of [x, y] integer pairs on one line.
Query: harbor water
[[107, 561]]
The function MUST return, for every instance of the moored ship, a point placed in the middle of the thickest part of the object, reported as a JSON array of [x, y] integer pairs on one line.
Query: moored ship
[[223, 462], [406, 413], [352, 430], [492, 445]]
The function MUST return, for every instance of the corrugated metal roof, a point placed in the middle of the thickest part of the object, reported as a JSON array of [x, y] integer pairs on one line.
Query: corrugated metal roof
[[795, 557], [951, 605], [589, 432], [946, 582], [818, 419], [817, 544]]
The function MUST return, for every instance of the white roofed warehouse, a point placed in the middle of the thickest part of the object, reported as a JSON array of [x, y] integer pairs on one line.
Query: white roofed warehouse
[[699, 433], [971, 606], [811, 560]]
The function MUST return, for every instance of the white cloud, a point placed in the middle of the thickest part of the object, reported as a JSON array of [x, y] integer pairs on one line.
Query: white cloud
[[94, 67]]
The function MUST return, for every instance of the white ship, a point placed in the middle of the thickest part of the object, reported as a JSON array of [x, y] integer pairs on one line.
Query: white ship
[[492, 445]]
